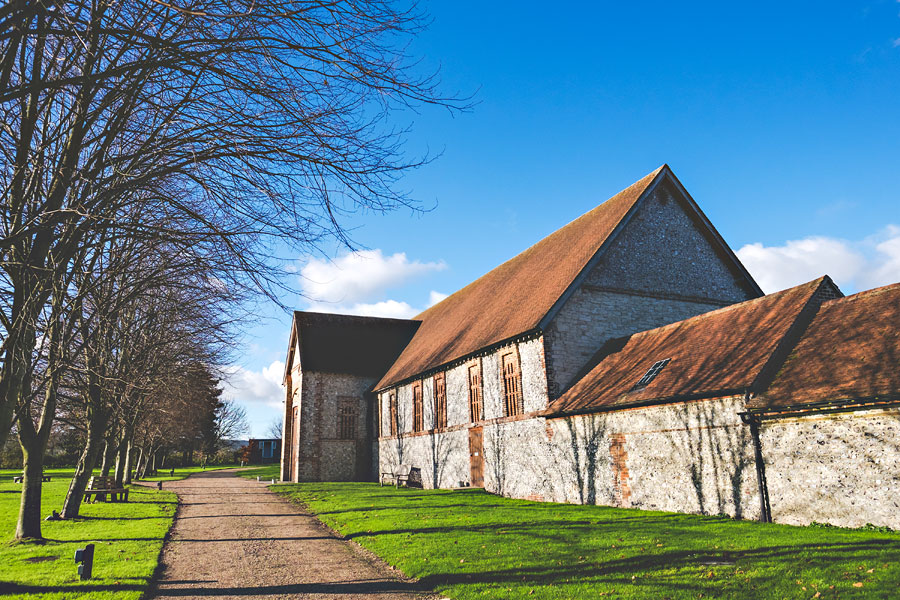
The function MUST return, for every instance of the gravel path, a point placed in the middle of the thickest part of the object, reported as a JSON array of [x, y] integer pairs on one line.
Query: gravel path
[[233, 538]]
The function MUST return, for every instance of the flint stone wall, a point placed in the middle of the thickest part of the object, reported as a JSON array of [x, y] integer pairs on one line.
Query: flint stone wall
[[534, 390], [690, 457], [842, 469], [322, 455], [659, 269]]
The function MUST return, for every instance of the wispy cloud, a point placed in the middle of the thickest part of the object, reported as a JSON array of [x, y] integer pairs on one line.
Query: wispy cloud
[[254, 387], [360, 276], [357, 283], [854, 265]]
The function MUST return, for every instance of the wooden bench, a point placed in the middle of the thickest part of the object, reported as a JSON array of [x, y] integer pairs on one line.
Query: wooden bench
[[397, 475], [18, 478], [100, 485]]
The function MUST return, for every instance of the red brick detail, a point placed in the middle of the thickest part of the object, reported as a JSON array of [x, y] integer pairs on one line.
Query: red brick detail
[[619, 456]]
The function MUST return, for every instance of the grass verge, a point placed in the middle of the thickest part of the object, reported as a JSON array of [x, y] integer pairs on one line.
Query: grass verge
[[470, 544], [266, 473], [128, 538], [182, 472]]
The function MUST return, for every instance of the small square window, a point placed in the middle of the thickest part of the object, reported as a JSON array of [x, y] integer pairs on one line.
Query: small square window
[[651, 374]]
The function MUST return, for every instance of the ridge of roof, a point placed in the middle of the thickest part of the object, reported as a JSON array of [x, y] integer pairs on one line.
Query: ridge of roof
[[513, 298], [324, 316], [723, 350]]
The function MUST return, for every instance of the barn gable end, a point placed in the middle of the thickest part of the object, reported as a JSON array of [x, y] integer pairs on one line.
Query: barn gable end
[[665, 264]]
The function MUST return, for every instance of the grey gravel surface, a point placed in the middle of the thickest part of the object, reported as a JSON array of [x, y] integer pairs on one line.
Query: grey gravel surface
[[233, 538]]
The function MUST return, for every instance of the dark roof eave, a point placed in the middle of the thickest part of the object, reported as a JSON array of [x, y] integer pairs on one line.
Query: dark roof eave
[[549, 413], [524, 336], [825, 407]]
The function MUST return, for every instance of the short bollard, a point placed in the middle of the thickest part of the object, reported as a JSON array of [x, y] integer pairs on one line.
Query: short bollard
[[85, 556]]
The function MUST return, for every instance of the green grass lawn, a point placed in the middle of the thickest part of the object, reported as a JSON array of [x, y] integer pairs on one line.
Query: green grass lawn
[[470, 544], [182, 472], [265, 473], [127, 536]]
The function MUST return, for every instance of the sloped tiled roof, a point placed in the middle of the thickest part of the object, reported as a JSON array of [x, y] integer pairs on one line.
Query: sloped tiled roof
[[719, 352], [354, 345], [851, 350], [513, 298]]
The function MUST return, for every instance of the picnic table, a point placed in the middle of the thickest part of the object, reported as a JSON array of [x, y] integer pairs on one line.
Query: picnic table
[[19, 478]]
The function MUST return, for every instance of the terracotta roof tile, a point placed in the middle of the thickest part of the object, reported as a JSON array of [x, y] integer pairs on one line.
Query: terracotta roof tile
[[723, 351], [851, 350], [513, 298]]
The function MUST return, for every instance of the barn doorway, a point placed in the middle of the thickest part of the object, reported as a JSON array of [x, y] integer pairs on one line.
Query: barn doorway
[[476, 456]]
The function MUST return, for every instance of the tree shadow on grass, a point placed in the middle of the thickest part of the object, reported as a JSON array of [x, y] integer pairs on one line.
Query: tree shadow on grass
[[647, 564], [73, 590]]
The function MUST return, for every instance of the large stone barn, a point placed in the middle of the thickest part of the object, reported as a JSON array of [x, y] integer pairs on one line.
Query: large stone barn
[[628, 359]]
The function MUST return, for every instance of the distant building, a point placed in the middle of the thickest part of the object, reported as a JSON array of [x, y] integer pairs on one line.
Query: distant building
[[260, 452], [628, 359]]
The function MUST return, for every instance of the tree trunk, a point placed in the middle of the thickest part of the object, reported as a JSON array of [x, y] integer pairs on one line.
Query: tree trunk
[[29, 525], [129, 459], [120, 462], [83, 471], [34, 443], [108, 454], [139, 463]]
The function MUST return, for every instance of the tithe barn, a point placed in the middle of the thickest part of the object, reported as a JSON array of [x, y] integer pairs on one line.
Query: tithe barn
[[628, 359]]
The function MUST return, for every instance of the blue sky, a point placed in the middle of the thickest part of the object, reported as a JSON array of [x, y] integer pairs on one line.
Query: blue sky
[[781, 119]]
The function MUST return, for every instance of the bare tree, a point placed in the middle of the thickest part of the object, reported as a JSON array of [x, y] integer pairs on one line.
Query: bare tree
[[231, 421], [275, 428], [215, 131], [240, 122]]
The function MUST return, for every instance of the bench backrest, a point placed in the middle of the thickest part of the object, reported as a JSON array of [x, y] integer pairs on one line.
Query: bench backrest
[[402, 469], [100, 482]]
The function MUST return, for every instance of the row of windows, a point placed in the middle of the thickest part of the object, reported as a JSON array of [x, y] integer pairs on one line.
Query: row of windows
[[513, 403]]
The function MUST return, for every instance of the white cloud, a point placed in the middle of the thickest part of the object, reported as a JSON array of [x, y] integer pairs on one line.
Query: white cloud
[[435, 297], [255, 387], [854, 265], [897, 43], [360, 277], [387, 308], [392, 309]]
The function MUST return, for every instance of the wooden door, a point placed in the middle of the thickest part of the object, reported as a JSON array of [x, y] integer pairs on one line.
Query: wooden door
[[476, 456], [295, 446]]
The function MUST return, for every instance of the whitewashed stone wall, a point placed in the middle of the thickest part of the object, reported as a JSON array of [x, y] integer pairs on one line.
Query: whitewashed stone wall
[[688, 457], [534, 390], [450, 449], [842, 469]]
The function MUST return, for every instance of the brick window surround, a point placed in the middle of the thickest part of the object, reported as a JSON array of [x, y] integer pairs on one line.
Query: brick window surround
[[392, 407], [347, 420], [512, 384], [440, 401], [418, 413], [476, 402]]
